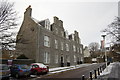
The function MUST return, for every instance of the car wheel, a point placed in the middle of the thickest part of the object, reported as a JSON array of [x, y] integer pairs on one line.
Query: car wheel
[[17, 75], [35, 72], [28, 75]]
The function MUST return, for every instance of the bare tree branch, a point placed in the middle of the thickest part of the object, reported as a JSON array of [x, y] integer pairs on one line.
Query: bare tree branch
[[8, 18], [113, 30]]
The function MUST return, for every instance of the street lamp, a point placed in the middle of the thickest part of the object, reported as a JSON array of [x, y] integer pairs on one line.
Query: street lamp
[[104, 48]]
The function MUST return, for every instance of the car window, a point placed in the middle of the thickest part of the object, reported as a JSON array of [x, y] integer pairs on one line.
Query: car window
[[4, 68], [35, 66], [42, 66], [15, 67], [24, 66]]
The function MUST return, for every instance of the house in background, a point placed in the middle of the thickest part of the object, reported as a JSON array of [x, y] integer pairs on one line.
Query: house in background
[[48, 43], [86, 52]]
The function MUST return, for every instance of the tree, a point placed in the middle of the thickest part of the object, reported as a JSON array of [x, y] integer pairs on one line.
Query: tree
[[8, 18], [113, 30], [93, 47]]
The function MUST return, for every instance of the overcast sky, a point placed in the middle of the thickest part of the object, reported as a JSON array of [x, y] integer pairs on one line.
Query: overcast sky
[[88, 18]]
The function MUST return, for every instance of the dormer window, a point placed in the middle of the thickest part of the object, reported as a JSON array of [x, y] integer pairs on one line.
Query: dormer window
[[62, 33], [56, 30], [47, 24], [66, 33]]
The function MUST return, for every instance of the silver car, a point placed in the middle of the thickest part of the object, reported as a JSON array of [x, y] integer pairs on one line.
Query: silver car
[[4, 72]]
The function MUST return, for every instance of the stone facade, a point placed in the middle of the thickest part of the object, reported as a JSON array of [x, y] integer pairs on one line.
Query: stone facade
[[119, 16], [48, 43]]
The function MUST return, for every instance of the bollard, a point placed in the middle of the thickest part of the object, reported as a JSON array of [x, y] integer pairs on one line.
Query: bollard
[[90, 75], [95, 74], [105, 65], [100, 69], [83, 77], [98, 72]]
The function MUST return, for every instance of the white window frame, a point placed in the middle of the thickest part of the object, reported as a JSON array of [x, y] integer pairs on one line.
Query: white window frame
[[47, 24], [62, 33], [46, 57], [62, 46], [78, 49], [75, 58], [56, 44], [74, 48], [56, 57], [67, 36], [73, 38], [46, 41], [81, 50], [67, 47], [56, 30], [68, 58]]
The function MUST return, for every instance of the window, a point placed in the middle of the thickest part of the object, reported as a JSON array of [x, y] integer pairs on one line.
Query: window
[[75, 58], [56, 30], [67, 47], [56, 44], [81, 50], [62, 33], [46, 57], [81, 58], [74, 48], [68, 58], [66, 33], [46, 41], [73, 38], [56, 58], [78, 49], [47, 24], [61, 45]]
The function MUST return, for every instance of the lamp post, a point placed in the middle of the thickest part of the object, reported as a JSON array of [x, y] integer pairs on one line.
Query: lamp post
[[104, 49]]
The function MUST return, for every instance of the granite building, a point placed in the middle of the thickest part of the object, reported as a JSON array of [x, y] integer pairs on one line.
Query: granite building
[[48, 43], [119, 16]]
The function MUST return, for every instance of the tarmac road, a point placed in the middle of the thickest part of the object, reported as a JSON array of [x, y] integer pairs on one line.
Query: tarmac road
[[77, 73]]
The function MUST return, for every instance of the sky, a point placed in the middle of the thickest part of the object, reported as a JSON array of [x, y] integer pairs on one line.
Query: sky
[[88, 17]]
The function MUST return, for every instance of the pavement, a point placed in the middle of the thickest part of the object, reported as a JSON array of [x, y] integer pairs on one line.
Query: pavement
[[115, 72], [62, 69], [112, 72]]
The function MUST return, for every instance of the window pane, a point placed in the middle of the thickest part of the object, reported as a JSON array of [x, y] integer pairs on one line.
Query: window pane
[[67, 47], [46, 41], [46, 57], [61, 45], [56, 58], [56, 44]]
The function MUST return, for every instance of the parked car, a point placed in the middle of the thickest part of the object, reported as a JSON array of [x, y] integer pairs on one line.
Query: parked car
[[39, 68], [4, 72], [18, 70]]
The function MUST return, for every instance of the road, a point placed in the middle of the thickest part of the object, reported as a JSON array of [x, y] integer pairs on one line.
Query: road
[[77, 73], [71, 74]]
